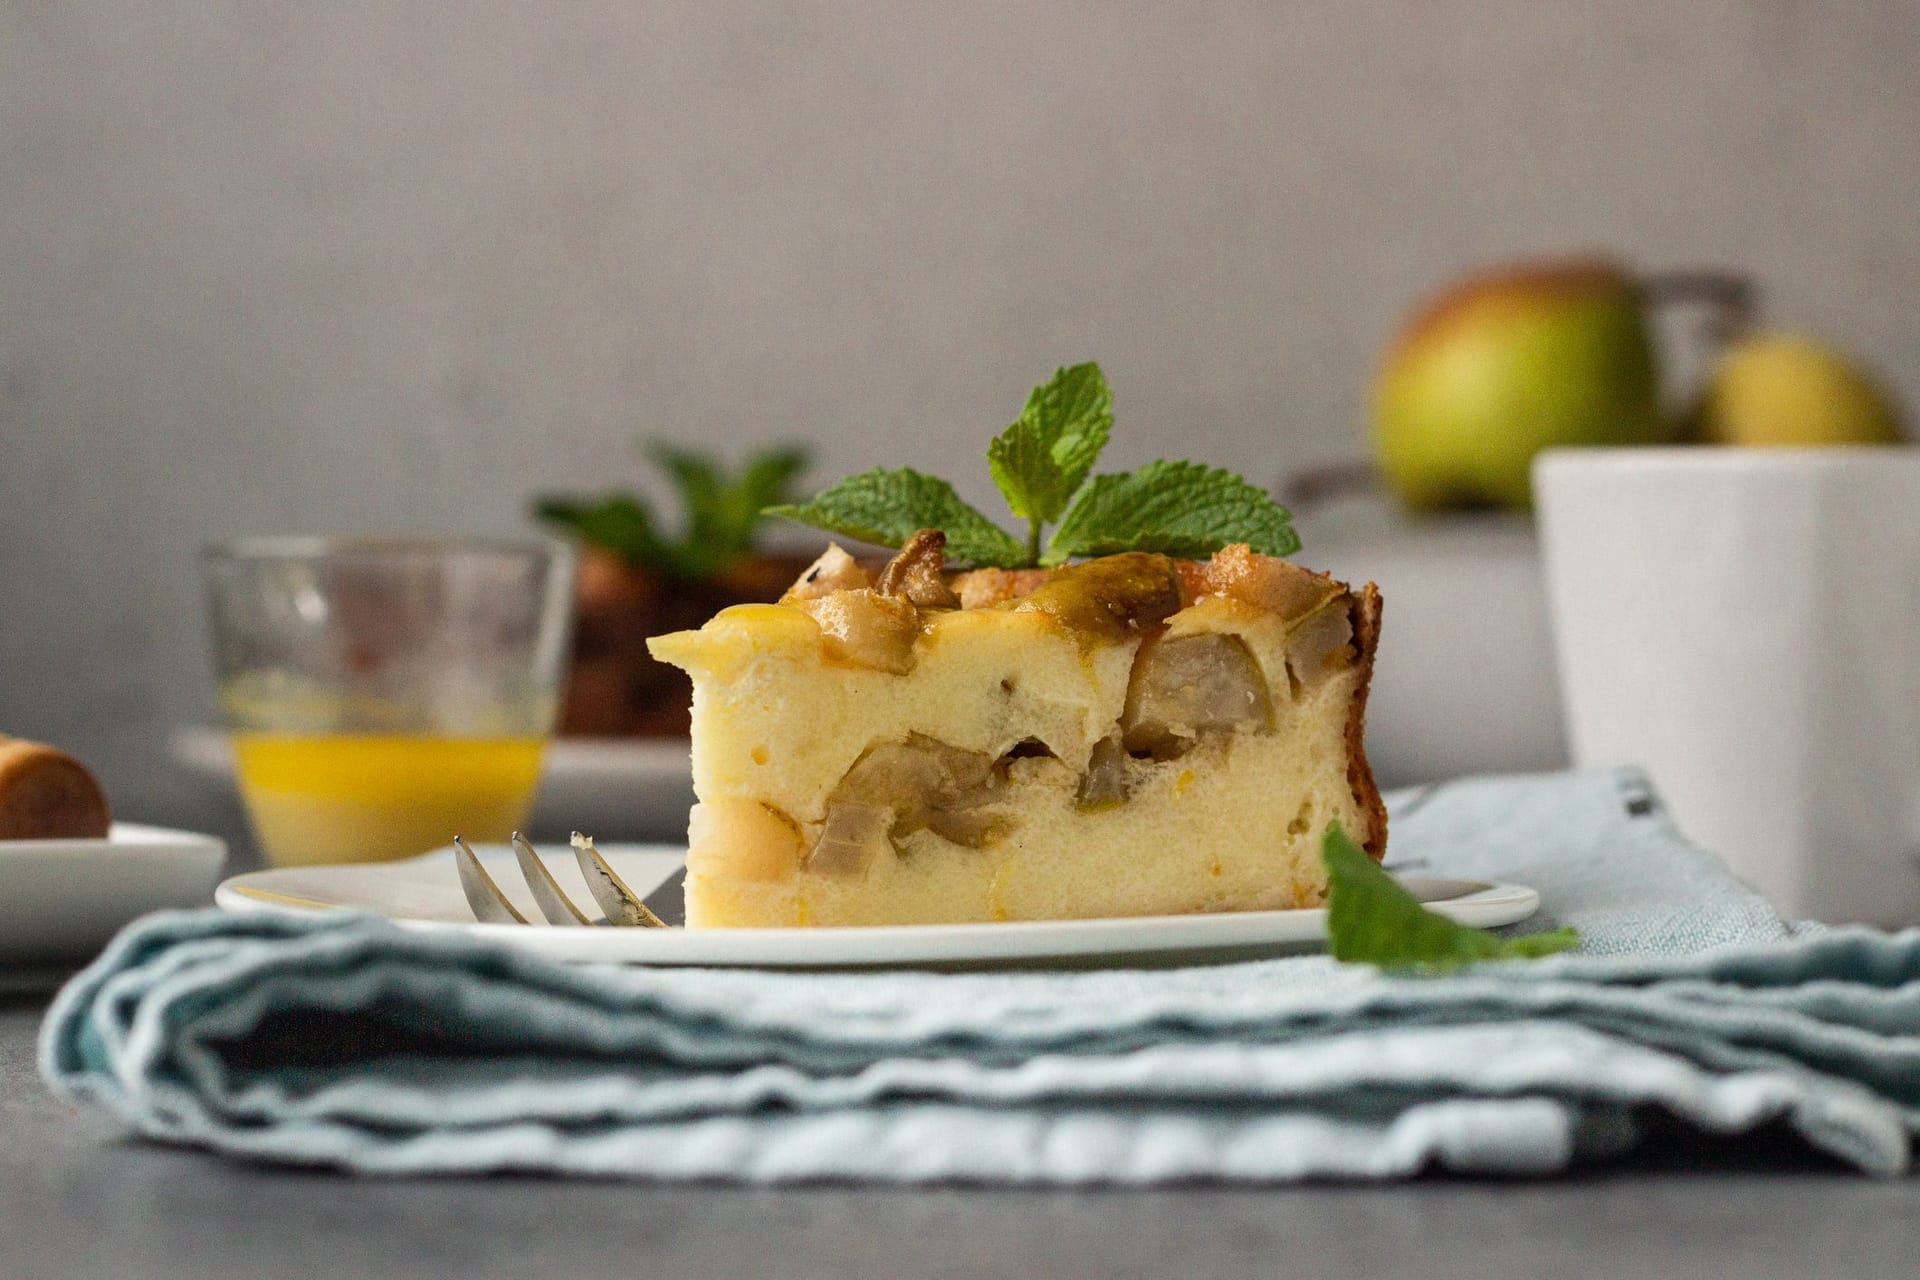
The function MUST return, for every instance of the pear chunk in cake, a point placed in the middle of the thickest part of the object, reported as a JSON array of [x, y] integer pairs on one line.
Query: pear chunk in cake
[[1133, 734]]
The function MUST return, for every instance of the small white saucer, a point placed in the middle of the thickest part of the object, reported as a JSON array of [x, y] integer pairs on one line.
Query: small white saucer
[[60, 900]]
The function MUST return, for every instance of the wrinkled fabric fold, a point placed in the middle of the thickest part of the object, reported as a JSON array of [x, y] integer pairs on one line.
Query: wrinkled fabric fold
[[348, 1042]]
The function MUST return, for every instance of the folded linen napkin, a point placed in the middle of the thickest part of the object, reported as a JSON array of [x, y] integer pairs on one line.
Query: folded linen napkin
[[351, 1043]]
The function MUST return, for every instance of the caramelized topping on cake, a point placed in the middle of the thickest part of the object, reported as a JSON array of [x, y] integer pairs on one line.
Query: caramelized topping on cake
[[916, 573], [985, 588], [1277, 586], [1112, 597], [874, 621]]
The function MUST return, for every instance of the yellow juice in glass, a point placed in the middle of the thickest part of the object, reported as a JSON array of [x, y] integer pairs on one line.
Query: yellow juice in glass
[[317, 798]]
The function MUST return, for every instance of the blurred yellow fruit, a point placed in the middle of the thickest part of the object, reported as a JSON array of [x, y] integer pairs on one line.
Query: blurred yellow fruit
[[1778, 389], [1508, 362]]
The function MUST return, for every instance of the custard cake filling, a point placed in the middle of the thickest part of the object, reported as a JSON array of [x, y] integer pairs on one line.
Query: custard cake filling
[[1131, 735]]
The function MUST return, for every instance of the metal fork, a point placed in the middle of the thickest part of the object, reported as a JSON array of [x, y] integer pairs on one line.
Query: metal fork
[[490, 906]]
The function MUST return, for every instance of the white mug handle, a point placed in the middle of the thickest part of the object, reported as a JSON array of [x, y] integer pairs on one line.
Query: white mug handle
[[1909, 834]]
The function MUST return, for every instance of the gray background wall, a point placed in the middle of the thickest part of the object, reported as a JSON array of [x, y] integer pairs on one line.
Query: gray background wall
[[396, 266]]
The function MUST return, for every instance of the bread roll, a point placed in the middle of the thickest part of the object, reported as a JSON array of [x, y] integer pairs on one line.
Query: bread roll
[[46, 794]]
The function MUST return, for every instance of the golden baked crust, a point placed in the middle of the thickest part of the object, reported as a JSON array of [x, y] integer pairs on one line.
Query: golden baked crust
[[1366, 639]]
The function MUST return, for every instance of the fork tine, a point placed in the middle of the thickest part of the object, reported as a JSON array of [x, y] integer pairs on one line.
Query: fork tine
[[553, 904], [622, 905], [490, 906]]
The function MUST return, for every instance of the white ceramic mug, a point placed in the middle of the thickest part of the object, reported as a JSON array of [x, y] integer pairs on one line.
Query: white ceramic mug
[[1745, 624]]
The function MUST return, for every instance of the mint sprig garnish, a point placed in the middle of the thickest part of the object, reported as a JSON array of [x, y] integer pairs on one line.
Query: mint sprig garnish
[[1179, 508], [1371, 919], [886, 507], [1041, 459], [1041, 464]]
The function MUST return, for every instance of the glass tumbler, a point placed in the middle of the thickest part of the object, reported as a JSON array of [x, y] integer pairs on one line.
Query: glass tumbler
[[385, 695]]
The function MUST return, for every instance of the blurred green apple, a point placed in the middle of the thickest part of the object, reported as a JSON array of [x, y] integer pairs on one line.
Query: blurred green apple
[[1780, 389], [1504, 364]]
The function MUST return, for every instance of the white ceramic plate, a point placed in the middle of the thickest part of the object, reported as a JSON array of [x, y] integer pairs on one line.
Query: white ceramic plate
[[613, 788], [424, 893], [60, 900]]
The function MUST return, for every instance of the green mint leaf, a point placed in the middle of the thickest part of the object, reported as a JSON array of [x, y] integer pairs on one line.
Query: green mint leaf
[[1178, 508], [697, 482], [767, 478], [885, 507], [721, 512], [617, 524], [1046, 454], [1371, 919], [764, 479]]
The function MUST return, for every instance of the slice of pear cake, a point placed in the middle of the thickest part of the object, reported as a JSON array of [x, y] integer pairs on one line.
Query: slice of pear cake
[[1130, 735]]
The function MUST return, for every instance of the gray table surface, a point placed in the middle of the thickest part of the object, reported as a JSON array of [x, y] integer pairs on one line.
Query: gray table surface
[[78, 1200]]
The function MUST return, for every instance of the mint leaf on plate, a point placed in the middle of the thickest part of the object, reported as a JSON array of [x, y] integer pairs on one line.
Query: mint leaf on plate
[[1371, 919], [1047, 452], [1177, 508], [886, 507]]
